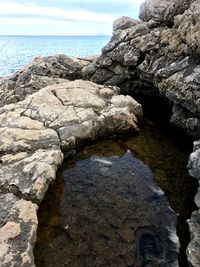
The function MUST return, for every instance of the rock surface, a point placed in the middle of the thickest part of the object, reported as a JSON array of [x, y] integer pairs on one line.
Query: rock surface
[[18, 231], [33, 132], [42, 71], [194, 223], [157, 56], [163, 11], [123, 220]]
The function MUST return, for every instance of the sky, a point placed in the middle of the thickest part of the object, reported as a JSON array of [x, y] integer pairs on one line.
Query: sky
[[63, 17]]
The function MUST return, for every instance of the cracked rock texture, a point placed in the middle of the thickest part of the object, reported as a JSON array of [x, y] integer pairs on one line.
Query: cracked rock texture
[[32, 134], [193, 250], [18, 231], [42, 71], [157, 56]]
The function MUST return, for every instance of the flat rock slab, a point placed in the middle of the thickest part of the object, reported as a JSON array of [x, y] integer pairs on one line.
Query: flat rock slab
[[112, 214], [66, 114], [18, 231]]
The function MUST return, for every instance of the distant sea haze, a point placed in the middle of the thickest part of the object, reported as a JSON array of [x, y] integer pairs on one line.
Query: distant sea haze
[[16, 51]]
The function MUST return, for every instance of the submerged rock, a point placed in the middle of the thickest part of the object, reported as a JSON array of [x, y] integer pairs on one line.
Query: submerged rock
[[112, 214]]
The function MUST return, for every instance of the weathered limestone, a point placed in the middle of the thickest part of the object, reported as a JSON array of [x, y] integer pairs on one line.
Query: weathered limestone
[[62, 115], [157, 56], [29, 175], [32, 134], [194, 225], [18, 231], [162, 11]]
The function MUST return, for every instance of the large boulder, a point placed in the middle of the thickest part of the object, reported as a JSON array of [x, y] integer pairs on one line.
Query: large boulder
[[162, 11], [42, 71], [153, 58], [66, 114]]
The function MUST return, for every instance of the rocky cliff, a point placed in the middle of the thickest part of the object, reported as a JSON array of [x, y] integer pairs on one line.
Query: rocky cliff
[[157, 55]]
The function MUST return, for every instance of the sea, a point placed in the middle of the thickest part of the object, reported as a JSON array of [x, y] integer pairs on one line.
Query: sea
[[16, 51]]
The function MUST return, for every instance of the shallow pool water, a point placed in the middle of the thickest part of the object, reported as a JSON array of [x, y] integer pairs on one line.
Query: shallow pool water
[[164, 151]]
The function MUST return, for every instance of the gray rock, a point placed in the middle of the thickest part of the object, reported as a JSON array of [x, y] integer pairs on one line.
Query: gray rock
[[42, 71], [18, 231], [194, 225], [188, 25], [162, 10], [68, 108], [161, 55], [29, 175], [185, 120], [194, 163], [124, 23]]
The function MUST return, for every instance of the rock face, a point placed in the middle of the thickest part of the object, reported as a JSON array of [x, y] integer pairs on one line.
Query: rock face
[[194, 222], [157, 56], [113, 215], [163, 11], [33, 132], [18, 231], [42, 71]]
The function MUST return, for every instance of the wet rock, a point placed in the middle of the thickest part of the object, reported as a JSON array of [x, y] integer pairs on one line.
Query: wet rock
[[42, 71], [114, 215], [194, 225], [18, 231]]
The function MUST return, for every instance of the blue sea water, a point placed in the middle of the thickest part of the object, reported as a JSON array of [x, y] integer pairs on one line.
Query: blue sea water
[[16, 51]]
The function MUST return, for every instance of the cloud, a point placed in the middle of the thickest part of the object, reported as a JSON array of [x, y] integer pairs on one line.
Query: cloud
[[99, 6], [84, 17], [15, 10]]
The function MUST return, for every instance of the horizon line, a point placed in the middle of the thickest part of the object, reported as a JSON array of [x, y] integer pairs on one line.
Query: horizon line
[[44, 35]]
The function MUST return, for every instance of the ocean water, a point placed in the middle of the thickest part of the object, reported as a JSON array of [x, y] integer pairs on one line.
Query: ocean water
[[16, 51]]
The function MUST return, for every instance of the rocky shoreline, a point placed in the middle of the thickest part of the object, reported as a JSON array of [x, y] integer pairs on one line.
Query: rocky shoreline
[[45, 110]]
